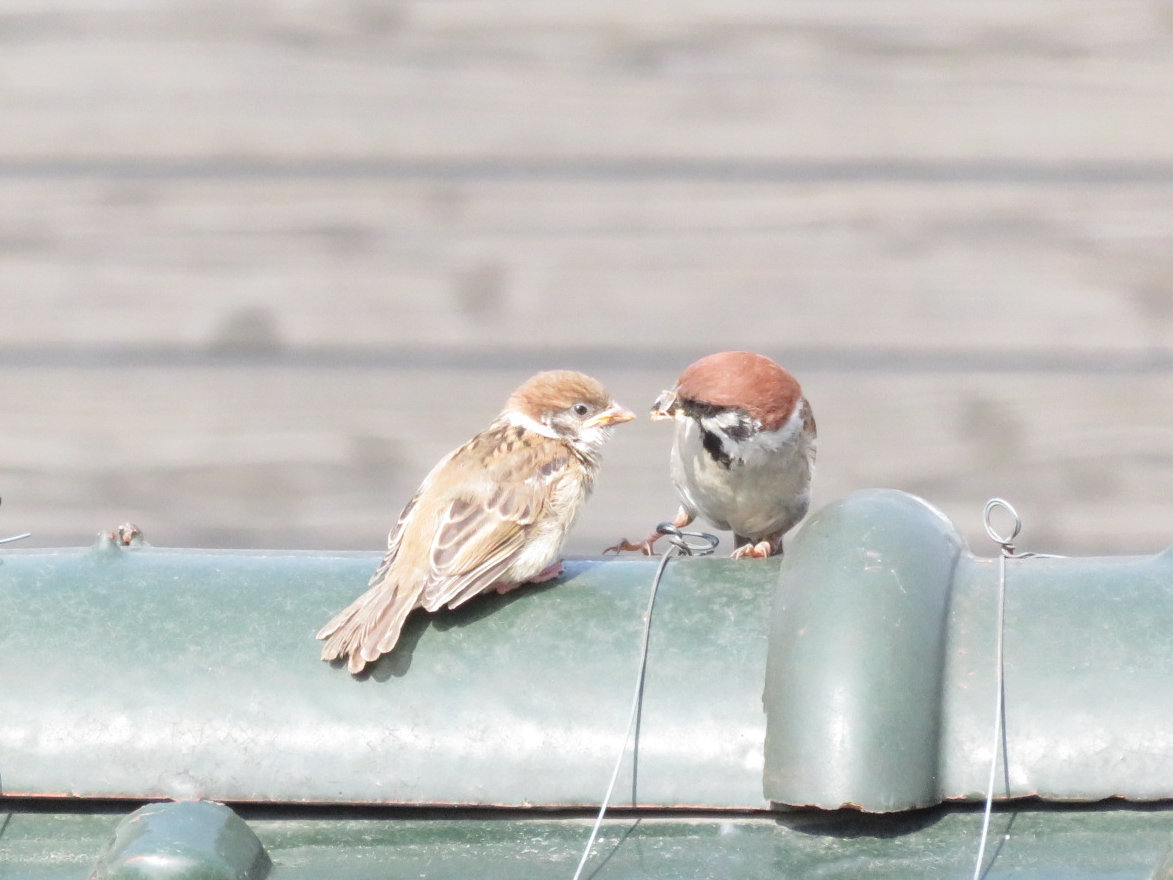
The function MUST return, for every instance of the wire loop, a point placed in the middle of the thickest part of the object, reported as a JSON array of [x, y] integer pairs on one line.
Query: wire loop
[[703, 544], [1005, 541]]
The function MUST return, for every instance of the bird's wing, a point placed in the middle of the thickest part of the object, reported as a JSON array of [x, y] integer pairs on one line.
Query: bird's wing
[[395, 536], [483, 530]]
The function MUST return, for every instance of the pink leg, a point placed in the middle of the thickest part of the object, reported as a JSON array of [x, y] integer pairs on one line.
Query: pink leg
[[645, 546], [760, 550], [551, 571]]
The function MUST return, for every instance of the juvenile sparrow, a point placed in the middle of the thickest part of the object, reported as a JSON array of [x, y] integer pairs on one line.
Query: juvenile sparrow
[[490, 515], [744, 450]]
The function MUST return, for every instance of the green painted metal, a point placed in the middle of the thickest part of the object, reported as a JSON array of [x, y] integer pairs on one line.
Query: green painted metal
[[138, 672], [881, 686], [151, 673], [1089, 678], [1030, 842], [184, 840], [854, 679]]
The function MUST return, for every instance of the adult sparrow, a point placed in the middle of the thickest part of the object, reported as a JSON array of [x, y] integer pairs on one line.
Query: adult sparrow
[[744, 450], [490, 515]]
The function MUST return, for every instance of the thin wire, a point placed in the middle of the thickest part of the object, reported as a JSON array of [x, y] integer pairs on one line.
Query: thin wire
[[999, 676], [1006, 542], [682, 547], [15, 538]]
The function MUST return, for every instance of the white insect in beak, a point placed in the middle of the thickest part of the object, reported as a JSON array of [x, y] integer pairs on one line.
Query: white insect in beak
[[665, 406]]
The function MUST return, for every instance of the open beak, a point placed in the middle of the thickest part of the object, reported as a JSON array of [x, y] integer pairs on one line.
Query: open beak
[[613, 415], [664, 407]]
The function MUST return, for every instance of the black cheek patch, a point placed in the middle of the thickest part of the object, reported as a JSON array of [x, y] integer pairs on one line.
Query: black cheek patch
[[742, 431], [715, 448]]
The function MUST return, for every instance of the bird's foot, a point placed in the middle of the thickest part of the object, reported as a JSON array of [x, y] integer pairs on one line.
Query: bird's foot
[[551, 571], [645, 546], [760, 550], [683, 518]]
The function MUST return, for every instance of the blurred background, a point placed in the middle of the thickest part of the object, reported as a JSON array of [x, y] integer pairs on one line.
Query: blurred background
[[262, 262]]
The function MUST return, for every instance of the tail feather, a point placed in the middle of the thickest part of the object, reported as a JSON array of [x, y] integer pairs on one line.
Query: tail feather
[[369, 626]]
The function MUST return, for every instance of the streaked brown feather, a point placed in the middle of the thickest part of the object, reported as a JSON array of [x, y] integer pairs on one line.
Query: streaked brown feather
[[508, 496], [483, 532]]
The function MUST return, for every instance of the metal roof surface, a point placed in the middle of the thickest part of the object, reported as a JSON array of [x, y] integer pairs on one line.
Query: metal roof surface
[[857, 671], [170, 673]]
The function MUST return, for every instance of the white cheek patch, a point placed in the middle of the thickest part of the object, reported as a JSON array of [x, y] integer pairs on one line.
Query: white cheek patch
[[521, 420], [789, 434], [727, 421], [595, 437]]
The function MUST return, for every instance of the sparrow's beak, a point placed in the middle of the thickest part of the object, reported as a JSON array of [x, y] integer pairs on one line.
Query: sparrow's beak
[[664, 407], [613, 415]]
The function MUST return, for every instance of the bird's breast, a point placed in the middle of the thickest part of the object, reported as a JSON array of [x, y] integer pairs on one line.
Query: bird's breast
[[756, 486]]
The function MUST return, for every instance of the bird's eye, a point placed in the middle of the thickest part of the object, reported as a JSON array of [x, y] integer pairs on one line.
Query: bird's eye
[[581, 409]]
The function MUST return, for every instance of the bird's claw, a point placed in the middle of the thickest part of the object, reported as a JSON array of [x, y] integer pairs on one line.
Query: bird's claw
[[551, 571], [760, 550], [644, 546]]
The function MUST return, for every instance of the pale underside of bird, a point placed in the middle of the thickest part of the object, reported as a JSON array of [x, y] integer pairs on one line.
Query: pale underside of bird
[[490, 516], [743, 450]]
